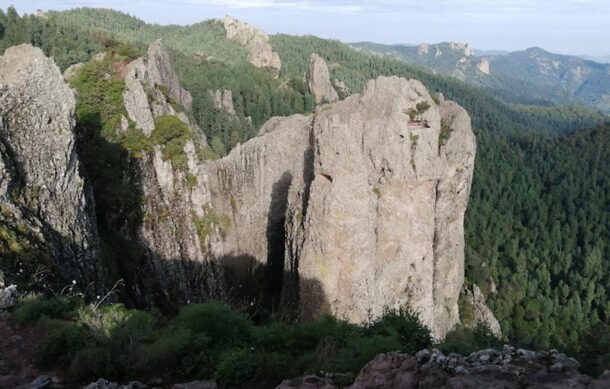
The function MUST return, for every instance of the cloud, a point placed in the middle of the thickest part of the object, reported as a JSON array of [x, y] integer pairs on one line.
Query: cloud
[[305, 5]]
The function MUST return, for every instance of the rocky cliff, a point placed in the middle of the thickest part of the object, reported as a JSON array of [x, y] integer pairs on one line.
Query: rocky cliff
[[45, 201], [261, 53], [356, 208], [359, 205]]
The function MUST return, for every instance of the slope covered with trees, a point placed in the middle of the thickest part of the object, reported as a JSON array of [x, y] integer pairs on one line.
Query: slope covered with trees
[[537, 227]]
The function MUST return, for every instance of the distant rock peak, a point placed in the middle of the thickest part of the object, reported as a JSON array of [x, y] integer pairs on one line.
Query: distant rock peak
[[256, 40], [319, 82]]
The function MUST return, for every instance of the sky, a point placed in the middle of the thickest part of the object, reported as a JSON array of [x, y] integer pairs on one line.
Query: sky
[[563, 26]]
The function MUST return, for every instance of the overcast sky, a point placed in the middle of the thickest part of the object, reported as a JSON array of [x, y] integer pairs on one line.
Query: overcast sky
[[564, 26]]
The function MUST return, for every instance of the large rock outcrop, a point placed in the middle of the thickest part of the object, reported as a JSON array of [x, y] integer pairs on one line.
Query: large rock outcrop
[[319, 80], [175, 196], [486, 369], [360, 207], [42, 193], [256, 40]]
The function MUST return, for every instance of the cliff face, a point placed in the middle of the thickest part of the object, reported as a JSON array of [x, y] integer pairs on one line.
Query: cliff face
[[368, 203], [349, 211], [381, 224], [42, 193], [176, 267]]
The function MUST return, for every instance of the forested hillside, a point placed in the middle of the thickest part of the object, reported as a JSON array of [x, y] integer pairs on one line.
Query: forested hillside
[[532, 76], [537, 228]]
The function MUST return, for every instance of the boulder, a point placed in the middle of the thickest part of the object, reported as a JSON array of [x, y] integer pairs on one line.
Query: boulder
[[507, 368]]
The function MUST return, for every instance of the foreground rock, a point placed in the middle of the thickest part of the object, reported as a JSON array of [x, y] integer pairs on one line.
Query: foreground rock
[[358, 207], [43, 197], [319, 80], [486, 369], [508, 368], [261, 54]]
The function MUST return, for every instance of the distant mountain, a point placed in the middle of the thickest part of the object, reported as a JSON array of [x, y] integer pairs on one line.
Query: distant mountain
[[597, 58], [532, 76]]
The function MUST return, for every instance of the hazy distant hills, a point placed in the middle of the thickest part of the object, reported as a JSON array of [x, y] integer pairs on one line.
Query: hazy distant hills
[[532, 76]]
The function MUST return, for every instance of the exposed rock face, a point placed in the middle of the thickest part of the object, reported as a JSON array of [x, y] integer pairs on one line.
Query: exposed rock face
[[482, 314], [41, 189], [161, 73], [261, 54], [370, 206], [508, 368], [155, 75], [381, 225], [223, 100], [177, 267], [319, 80], [483, 66]]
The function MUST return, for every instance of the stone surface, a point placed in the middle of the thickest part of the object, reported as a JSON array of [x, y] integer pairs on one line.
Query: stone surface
[[346, 202], [72, 70], [483, 66], [8, 296], [223, 100], [41, 188], [261, 53], [307, 382], [319, 80], [196, 385], [162, 73], [508, 368], [381, 224], [482, 314]]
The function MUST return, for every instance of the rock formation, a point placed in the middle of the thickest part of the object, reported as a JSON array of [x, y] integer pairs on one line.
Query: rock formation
[[223, 100], [319, 80], [42, 193], [349, 211], [261, 53], [507, 368], [162, 73], [369, 205], [482, 314], [176, 269], [483, 66]]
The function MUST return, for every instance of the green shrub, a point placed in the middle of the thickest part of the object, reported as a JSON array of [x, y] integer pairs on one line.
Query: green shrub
[[445, 133], [465, 341], [217, 321], [191, 180], [360, 350], [32, 310], [236, 367], [62, 344], [172, 134], [90, 363], [405, 325], [206, 225]]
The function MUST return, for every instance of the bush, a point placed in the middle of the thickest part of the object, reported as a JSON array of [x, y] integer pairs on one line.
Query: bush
[[32, 310], [465, 341], [217, 321], [405, 326], [63, 343], [235, 367], [172, 134]]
